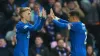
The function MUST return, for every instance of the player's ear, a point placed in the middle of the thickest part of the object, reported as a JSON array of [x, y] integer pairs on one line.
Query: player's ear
[[74, 18], [21, 15]]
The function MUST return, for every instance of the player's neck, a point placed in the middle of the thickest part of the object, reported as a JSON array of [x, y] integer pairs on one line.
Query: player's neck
[[23, 20], [76, 21]]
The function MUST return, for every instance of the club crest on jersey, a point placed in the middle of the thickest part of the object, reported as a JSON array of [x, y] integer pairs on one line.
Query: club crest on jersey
[[25, 26]]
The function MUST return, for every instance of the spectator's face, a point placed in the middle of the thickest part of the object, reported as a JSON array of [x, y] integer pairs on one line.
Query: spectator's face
[[57, 7], [2, 42], [11, 1], [17, 10], [65, 4], [71, 5], [49, 19], [58, 36], [31, 5], [38, 41], [89, 50], [27, 15], [61, 43], [51, 2], [31, 1], [36, 7]]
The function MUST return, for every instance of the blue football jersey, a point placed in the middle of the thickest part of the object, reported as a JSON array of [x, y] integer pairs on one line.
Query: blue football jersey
[[23, 35], [78, 36]]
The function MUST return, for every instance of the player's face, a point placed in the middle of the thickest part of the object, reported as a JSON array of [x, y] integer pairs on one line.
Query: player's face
[[61, 43], [27, 15]]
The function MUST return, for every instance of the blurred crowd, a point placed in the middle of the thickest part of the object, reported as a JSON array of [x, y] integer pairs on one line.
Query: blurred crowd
[[50, 40]]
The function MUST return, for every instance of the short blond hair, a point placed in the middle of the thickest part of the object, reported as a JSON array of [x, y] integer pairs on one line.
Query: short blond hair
[[23, 10]]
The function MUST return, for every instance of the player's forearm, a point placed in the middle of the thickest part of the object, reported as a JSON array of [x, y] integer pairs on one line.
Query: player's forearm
[[60, 20], [63, 21], [34, 27], [41, 23], [59, 24]]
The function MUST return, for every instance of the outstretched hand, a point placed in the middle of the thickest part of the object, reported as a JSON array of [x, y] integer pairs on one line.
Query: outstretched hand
[[44, 15], [52, 14]]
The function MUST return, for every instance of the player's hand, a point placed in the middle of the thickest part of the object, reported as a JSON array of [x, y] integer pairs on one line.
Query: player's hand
[[44, 15], [52, 15], [39, 13]]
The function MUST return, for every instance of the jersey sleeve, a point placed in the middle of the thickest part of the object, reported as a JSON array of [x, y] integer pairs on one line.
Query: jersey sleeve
[[61, 25], [29, 27], [40, 24], [63, 21]]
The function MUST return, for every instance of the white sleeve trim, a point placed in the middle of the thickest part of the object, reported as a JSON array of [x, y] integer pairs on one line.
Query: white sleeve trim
[[56, 18], [69, 26]]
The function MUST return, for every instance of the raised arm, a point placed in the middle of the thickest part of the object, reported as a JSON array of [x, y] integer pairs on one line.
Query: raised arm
[[29, 27], [63, 21], [61, 25], [40, 24], [57, 21], [42, 20]]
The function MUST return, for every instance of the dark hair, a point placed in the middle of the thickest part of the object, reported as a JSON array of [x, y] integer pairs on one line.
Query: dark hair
[[59, 33], [38, 37], [74, 13], [92, 50], [36, 4]]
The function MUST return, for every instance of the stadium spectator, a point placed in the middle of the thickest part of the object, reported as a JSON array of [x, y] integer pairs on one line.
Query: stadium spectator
[[90, 51], [49, 5], [58, 37], [50, 29], [26, 4], [35, 9], [59, 50], [38, 49], [72, 6], [11, 37], [9, 8], [4, 50], [54, 43], [92, 20], [16, 16], [59, 13], [91, 15]]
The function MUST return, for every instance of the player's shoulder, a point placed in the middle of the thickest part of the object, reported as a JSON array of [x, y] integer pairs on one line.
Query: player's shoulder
[[78, 23], [19, 24]]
